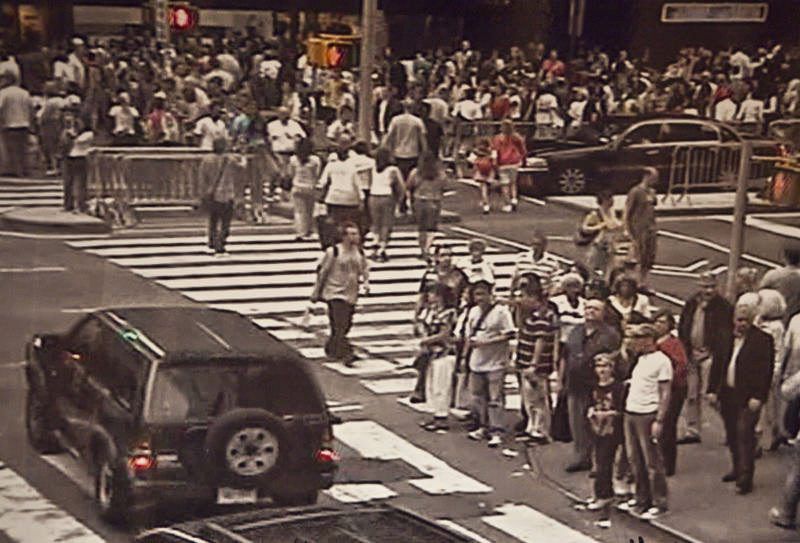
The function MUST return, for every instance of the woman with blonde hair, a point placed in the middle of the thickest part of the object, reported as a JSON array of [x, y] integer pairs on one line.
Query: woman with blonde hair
[[771, 311]]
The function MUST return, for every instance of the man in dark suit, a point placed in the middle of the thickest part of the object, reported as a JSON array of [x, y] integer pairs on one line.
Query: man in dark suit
[[740, 381], [706, 329]]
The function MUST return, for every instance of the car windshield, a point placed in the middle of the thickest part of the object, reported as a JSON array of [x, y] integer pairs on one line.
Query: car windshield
[[355, 528], [198, 392]]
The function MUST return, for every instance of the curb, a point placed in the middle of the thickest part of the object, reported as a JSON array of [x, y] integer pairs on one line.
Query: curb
[[47, 221], [684, 212]]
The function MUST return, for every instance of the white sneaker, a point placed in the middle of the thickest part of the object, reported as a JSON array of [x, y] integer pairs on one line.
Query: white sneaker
[[477, 435], [486, 209], [495, 441], [652, 513], [597, 505], [507, 208], [222, 255], [628, 505], [514, 204], [604, 523]]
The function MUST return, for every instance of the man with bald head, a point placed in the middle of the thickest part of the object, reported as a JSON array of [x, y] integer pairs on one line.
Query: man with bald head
[[740, 382]]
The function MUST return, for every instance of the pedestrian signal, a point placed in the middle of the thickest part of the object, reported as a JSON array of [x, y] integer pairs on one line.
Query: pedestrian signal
[[182, 18], [334, 51]]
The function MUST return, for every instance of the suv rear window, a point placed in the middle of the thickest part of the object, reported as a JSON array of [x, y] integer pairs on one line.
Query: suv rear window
[[198, 392], [355, 528]]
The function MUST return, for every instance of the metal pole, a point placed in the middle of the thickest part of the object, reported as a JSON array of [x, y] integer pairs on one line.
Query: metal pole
[[739, 213], [368, 16]]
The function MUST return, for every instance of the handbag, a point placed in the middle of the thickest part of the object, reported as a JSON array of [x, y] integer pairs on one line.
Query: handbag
[[582, 238], [559, 424], [208, 197], [462, 395]]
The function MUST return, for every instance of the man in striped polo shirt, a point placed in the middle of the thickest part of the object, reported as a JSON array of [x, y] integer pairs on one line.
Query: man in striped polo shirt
[[537, 350], [536, 261]]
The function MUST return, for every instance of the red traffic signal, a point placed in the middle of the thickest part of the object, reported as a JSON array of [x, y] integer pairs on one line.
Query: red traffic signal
[[182, 18]]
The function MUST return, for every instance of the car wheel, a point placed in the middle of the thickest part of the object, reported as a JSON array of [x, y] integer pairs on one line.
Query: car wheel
[[112, 492], [39, 426], [245, 447], [296, 499], [572, 181]]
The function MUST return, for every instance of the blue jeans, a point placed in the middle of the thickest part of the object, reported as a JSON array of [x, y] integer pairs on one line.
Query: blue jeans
[[791, 488], [486, 388]]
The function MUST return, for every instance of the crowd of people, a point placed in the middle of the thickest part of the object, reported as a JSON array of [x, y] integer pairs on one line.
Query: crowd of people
[[597, 364]]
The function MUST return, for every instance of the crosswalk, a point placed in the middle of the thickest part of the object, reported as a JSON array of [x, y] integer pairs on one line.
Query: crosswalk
[[30, 193], [268, 277]]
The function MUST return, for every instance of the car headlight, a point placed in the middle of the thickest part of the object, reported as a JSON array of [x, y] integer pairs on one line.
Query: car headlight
[[537, 163]]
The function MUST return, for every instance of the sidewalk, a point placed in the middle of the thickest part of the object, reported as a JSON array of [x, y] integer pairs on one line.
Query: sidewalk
[[693, 204], [702, 508]]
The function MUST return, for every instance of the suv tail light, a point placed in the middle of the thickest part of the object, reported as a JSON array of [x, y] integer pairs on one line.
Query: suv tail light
[[141, 458], [327, 456]]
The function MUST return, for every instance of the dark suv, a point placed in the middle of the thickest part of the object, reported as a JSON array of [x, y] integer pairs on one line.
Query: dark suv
[[179, 403]]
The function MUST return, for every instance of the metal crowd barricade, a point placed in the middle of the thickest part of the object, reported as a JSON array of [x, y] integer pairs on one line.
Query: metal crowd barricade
[[785, 130], [163, 176], [712, 165]]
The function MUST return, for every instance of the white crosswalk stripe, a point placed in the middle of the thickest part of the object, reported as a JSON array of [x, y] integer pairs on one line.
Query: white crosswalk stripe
[[30, 193]]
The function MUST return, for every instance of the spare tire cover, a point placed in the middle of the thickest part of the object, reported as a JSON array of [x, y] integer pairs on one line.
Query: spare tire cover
[[245, 448]]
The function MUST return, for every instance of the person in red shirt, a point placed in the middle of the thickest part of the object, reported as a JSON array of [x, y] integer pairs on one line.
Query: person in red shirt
[[669, 344], [553, 67], [500, 105], [508, 149]]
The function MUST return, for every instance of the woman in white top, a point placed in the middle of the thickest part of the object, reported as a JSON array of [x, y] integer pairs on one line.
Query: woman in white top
[[126, 117], [304, 169], [341, 188], [385, 191], [751, 111]]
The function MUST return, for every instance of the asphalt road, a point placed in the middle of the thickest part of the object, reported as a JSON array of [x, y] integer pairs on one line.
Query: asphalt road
[[45, 282]]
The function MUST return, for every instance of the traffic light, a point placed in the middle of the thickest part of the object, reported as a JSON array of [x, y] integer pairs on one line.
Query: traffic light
[[334, 51], [182, 17]]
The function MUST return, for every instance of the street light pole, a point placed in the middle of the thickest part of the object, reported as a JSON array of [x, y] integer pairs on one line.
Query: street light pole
[[368, 15], [739, 214]]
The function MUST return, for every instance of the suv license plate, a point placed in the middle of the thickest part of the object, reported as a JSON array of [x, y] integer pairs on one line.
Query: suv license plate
[[228, 496]]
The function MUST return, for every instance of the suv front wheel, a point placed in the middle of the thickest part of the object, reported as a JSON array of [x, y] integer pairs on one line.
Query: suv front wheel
[[246, 448], [38, 425]]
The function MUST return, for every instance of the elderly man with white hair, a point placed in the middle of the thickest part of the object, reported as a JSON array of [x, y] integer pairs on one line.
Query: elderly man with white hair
[[740, 382]]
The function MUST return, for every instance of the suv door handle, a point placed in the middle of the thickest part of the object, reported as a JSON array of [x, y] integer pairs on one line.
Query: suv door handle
[[653, 152]]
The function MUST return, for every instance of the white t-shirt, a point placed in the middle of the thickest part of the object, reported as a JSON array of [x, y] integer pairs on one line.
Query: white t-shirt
[[498, 322], [209, 130], [284, 137], [382, 181], [650, 370], [468, 110], [124, 119]]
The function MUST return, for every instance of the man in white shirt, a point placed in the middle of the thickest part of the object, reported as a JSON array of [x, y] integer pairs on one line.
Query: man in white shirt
[[16, 110], [489, 328], [125, 118], [210, 128], [725, 110], [645, 411], [284, 133]]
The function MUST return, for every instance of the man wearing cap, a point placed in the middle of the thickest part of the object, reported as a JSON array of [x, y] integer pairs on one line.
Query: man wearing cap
[[705, 328], [406, 138], [489, 328], [576, 375], [740, 380], [645, 412], [570, 304]]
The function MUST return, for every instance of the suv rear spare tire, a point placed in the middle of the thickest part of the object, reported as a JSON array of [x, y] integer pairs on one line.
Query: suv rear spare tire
[[245, 448]]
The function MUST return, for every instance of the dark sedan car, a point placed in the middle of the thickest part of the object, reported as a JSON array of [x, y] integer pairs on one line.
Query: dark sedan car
[[700, 152], [176, 404], [342, 524]]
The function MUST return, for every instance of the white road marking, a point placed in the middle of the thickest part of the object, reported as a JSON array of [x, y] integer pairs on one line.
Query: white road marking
[[530, 526], [450, 525], [27, 235], [373, 366], [532, 200], [34, 269], [346, 408], [373, 441], [784, 230], [512, 403], [13, 365], [716, 247], [28, 517], [359, 492], [397, 385]]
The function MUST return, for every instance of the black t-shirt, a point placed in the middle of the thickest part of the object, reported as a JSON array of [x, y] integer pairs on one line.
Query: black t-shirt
[[607, 404]]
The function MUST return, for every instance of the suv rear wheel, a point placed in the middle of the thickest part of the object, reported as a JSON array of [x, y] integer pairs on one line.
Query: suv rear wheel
[[112, 491], [39, 426], [246, 447], [571, 180]]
